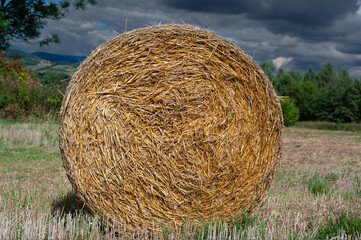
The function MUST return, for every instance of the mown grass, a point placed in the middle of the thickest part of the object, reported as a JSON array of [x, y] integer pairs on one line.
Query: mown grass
[[309, 199]]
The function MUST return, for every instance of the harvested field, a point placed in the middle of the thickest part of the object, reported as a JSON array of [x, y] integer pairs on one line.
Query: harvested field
[[319, 179]]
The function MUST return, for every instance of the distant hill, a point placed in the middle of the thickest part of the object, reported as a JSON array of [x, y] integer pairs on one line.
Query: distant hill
[[28, 58], [42, 62], [59, 57]]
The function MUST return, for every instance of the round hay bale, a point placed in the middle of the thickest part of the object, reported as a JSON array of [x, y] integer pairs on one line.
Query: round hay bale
[[170, 123]]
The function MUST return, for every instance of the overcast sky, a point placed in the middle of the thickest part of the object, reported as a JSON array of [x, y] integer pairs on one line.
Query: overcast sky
[[294, 34]]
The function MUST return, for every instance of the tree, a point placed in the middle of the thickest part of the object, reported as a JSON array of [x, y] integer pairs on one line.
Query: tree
[[296, 75], [344, 80], [351, 102], [310, 75], [268, 68], [276, 83], [327, 77], [283, 83], [24, 19], [53, 78], [305, 94], [290, 111]]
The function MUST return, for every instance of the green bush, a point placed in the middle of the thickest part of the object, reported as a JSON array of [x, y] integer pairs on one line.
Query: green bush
[[291, 112], [21, 95], [52, 78]]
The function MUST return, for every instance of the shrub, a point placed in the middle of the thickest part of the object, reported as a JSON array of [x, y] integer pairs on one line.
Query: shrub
[[21, 95], [52, 78]]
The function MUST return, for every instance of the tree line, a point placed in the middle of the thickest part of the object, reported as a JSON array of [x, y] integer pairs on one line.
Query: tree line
[[328, 95]]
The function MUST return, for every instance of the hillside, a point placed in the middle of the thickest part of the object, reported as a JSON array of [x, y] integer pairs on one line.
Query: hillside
[[42, 61], [59, 57], [28, 58]]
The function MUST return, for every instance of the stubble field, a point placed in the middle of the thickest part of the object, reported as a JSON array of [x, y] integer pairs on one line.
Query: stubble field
[[316, 193]]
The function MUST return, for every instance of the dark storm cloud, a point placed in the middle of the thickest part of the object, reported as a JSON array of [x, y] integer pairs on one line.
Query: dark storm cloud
[[350, 48], [213, 6], [307, 12], [279, 15], [349, 38], [294, 34]]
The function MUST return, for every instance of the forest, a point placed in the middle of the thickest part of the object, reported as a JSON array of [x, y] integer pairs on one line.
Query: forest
[[328, 95]]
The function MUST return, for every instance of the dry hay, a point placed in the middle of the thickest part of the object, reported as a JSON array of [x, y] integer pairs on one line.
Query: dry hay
[[170, 123]]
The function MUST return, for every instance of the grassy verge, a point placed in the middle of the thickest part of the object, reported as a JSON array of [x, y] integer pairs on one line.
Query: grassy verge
[[316, 193], [352, 127]]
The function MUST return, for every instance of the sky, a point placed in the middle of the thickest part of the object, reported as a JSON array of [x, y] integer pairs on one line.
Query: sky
[[294, 34]]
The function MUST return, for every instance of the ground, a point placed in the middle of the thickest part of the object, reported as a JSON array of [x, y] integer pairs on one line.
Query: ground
[[318, 180]]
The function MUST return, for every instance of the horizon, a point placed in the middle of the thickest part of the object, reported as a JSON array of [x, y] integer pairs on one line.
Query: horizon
[[258, 62]]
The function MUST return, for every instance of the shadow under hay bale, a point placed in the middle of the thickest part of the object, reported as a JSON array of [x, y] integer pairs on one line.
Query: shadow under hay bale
[[168, 124], [68, 204]]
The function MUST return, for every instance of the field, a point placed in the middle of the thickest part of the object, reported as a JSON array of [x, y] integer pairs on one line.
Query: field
[[62, 67], [315, 195], [60, 63]]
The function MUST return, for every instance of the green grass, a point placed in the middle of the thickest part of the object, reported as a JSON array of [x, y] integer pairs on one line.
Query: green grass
[[347, 222], [11, 122], [358, 186], [27, 155], [352, 127], [28, 142], [288, 177], [331, 177], [318, 185], [358, 137]]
